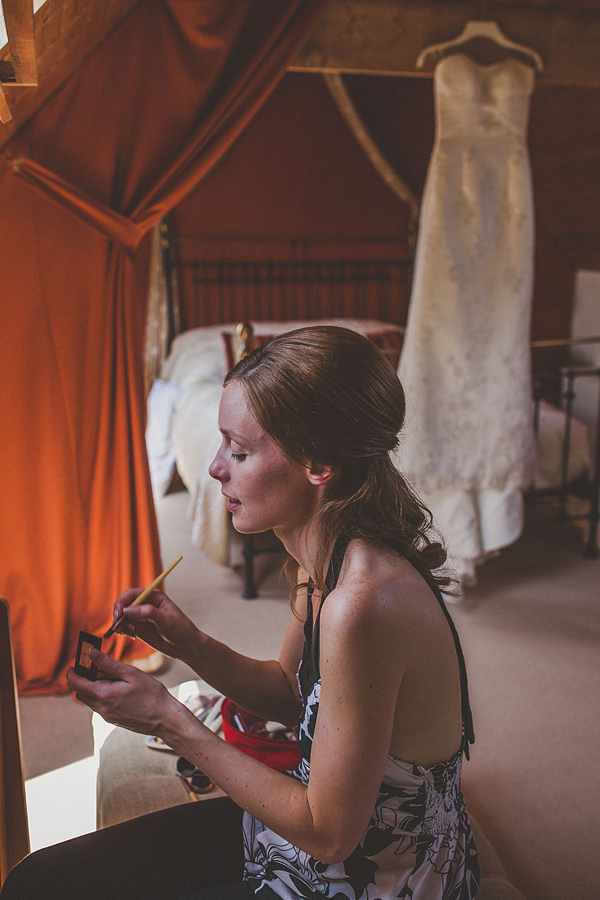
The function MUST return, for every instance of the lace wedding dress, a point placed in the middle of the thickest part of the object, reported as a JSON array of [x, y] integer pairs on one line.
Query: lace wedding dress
[[468, 444]]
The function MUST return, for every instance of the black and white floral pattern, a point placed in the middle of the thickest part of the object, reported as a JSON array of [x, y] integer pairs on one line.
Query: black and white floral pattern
[[417, 846]]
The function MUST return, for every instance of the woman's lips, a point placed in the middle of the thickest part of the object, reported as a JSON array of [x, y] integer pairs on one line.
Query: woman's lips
[[232, 505]]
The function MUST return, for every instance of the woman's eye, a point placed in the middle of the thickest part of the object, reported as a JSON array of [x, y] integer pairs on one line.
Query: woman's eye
[[238, 456]]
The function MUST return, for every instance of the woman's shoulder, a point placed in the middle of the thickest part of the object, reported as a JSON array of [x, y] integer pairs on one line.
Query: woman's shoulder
[[379, 588]]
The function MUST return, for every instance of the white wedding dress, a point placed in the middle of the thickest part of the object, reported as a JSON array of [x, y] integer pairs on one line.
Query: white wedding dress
[[468, 444]]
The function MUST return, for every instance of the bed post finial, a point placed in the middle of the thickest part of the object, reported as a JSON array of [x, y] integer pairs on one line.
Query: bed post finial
[[244, 333]]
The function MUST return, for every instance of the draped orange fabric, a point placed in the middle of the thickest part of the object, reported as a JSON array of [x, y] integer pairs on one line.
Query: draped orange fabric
[[119, 145]]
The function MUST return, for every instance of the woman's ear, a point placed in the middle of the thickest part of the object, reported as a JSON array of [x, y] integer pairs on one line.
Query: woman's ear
[[320, 474]]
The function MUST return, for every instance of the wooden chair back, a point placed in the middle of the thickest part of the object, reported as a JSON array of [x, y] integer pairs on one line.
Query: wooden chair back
[[14, 830]]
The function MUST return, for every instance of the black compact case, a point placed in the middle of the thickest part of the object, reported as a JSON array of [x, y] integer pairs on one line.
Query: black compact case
[[83, 664]]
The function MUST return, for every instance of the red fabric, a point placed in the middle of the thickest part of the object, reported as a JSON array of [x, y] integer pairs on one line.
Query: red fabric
[[224, 56], [118, 146]]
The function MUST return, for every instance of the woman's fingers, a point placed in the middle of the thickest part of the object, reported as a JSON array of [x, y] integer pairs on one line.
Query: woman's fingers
[[142, 613], [128, 613], [121, 604], [93, 693], [127, 697], [129, 596], [146, 621], [112, 667], [157, 621]]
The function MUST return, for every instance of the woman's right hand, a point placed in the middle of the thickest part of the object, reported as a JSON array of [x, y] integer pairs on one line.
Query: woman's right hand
[[158, 621]]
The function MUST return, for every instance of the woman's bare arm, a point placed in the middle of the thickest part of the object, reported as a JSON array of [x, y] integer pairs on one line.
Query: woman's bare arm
[[267, 688], [361, 656], [361, 668]]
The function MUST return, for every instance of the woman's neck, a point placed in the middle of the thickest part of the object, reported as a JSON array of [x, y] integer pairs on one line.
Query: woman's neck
[[301, 544]]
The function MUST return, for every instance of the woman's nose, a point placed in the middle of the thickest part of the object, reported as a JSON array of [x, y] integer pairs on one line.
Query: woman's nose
[[217, 468]]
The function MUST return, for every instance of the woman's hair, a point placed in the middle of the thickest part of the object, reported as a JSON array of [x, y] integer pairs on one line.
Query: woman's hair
[[328, 396]]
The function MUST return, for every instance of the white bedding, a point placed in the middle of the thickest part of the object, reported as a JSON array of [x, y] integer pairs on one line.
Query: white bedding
[[549, 447], [197, 366]]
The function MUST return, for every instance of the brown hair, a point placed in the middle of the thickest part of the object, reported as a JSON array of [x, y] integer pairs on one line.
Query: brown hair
[[327, 395]]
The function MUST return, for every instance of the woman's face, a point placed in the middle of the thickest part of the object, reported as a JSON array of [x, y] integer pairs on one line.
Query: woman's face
[[264, 487]]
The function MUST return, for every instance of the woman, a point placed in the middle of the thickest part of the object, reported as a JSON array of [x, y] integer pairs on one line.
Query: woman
[[369, 662]]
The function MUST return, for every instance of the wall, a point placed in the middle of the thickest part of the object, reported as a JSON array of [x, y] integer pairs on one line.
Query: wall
[[554, 285]]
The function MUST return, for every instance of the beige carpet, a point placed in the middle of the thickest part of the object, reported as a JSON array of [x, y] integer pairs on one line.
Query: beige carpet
[[531, 635]]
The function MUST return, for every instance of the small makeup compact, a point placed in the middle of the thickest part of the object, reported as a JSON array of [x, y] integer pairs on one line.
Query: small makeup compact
[[83, 664]]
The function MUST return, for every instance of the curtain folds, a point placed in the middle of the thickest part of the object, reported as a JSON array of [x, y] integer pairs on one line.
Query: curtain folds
[[256, 47], [107, 221], [131, 132]]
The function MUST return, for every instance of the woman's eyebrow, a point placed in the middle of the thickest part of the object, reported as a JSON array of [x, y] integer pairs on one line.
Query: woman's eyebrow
[[232, 435]]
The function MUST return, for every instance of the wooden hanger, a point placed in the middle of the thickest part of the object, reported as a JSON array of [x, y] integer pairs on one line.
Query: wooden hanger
[[480, 28]]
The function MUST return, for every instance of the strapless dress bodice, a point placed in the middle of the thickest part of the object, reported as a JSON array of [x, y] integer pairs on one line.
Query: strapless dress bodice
[[482, 100]]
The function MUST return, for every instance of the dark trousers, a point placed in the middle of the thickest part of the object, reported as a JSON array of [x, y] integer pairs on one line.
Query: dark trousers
[[188, 851]]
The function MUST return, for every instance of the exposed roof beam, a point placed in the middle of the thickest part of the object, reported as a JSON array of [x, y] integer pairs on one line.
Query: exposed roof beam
[[67, 32], [348, 110], [384, 37], [18, 18], [5, 113]]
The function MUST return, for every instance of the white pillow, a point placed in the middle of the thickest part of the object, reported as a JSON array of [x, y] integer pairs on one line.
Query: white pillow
[[162, 403]]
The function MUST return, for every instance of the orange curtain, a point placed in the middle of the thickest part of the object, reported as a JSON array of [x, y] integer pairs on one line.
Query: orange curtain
[[116, 148]]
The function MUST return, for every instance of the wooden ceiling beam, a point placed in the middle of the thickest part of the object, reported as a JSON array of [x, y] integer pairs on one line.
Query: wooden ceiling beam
[[67, 32], [18, 18], [5, 113], [384, 37]]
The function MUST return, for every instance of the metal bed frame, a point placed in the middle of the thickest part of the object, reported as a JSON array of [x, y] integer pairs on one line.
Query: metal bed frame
[[560, 389], [250, 549], [300, 289]]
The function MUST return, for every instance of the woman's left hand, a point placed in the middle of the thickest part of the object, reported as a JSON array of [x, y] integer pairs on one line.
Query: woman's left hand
[[130, 699]]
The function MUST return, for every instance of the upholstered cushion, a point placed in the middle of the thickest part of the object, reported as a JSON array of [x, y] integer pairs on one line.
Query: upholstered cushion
[[134, 779]]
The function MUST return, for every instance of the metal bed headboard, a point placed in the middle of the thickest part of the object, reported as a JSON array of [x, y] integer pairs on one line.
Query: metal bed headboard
[[306, 289], [271, 279]]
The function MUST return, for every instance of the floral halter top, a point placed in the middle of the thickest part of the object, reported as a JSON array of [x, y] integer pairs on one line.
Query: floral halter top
[[418, 844]]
